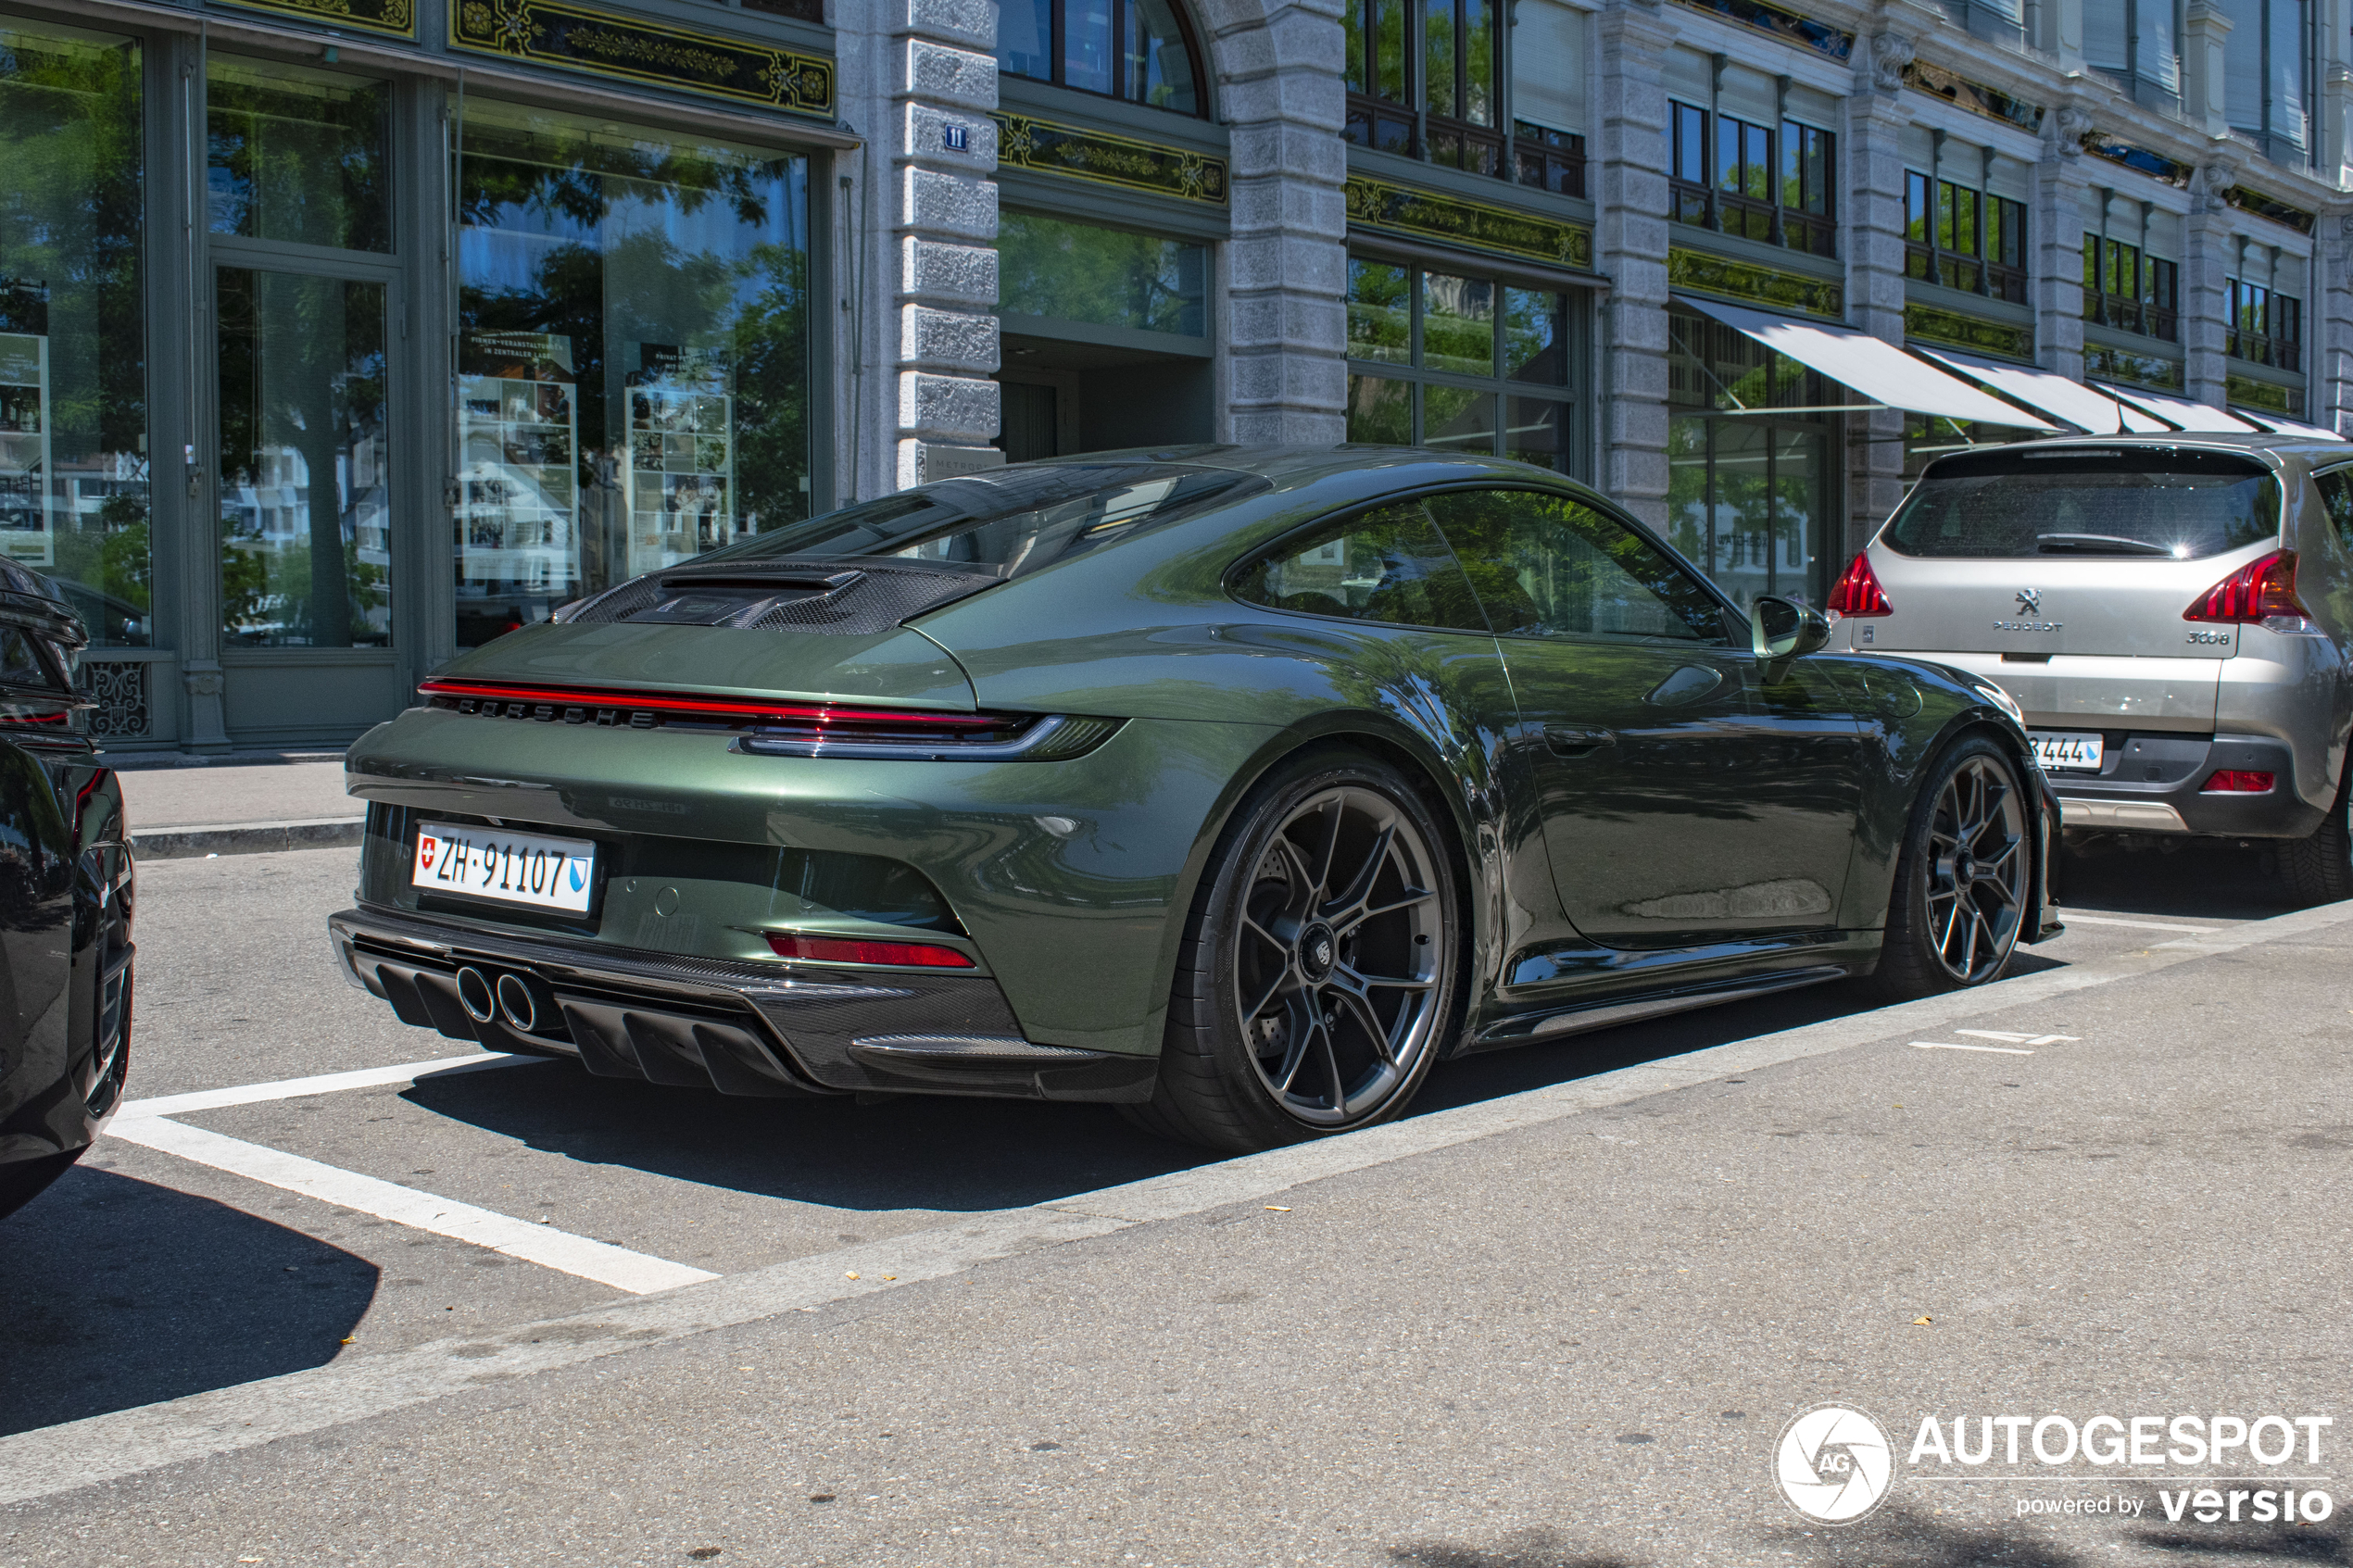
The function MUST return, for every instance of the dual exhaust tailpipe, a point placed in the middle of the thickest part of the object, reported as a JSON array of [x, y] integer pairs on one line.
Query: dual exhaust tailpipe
[[508, 997]]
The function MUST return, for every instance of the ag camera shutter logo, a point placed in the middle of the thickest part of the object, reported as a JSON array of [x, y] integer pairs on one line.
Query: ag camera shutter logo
[[1835, 1464]]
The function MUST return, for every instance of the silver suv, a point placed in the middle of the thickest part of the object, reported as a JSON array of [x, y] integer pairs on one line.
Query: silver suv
[[2173, 613]]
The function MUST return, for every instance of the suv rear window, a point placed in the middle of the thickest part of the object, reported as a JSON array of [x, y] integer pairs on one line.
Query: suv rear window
[[2157, 502], [1015, 520]]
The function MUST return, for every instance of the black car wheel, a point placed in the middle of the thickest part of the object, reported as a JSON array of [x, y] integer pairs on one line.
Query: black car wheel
[[2318, 867], [1964, 878], [1319, 976]]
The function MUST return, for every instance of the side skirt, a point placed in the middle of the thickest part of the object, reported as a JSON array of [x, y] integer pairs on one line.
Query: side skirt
[[1577, 1018]]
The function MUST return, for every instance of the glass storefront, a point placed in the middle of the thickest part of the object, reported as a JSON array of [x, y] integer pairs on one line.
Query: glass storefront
[[1748, 498], [1475, 364], [632, 375], [1061, 268], [74, 499]]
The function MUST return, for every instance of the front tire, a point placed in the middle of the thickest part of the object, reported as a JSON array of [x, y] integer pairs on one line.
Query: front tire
[[1320, 974], [2318, 867], [1963, 880]]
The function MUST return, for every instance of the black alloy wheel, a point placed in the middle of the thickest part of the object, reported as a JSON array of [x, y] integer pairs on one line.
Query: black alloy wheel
[[1964, 879], [1319, 978]]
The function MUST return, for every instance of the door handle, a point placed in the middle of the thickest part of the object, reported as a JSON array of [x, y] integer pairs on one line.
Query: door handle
[[1577, 743]]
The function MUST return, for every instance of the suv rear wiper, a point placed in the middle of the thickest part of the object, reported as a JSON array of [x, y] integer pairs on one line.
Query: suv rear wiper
[[2096, 544]]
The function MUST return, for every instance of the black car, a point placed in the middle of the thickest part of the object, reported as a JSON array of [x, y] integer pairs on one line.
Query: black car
[[65, 900]]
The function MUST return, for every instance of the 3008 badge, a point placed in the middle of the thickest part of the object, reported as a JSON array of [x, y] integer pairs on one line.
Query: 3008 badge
[[509, 868]]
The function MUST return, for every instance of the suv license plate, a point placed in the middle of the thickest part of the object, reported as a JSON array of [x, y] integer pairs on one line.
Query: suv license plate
[[512, 868], [2067, 751]]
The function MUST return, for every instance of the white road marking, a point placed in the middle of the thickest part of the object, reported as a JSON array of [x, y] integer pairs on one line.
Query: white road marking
[[74, 1454], [2009, 1038], [599, 1261], [2069, 918], [1948, 1045], [324, 1083]]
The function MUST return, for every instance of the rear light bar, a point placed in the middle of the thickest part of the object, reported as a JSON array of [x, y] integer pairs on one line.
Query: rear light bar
[[2236, 781], [848, 950], [2256, 594], [1856, 593], [789, 729], [643, 709]]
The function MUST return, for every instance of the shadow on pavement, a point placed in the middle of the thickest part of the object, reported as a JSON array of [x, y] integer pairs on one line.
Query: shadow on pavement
[[1522, 1548], [116, 1292], [2214, 879]]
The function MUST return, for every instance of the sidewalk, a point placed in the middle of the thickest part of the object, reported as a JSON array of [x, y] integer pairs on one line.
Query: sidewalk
[[242, 803]]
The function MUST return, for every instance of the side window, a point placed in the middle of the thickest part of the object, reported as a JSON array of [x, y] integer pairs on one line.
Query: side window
[[2336, 494], [1548, 566], [1388, 565]]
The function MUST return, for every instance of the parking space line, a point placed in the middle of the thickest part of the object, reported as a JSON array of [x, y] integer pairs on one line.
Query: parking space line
[[2071, 918], [323, 1084], [599, 1261], [1948, 1045]]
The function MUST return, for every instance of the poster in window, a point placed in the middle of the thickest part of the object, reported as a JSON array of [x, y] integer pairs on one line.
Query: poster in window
[[518, 442], [680, 462], [24, 448]]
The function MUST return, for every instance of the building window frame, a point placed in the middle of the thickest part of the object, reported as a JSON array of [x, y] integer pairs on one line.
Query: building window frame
[[2127, 289], [2262, 324], [1571, 395], [1961, 235], [1744, 189], [1387, 101], [1121, 10]]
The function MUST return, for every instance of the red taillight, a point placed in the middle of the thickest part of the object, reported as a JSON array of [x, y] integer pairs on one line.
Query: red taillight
[[1858, 592], [2236, 781], [847, 949], [520, 700], [2255, 592]]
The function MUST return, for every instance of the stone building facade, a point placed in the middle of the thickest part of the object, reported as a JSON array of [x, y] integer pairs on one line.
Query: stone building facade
[[338, 336]]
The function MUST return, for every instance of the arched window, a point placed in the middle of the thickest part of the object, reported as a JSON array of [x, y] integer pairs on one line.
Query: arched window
[[1139, 50]]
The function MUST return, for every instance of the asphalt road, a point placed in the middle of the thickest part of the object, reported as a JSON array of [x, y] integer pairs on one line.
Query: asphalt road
[[1558, 1317]]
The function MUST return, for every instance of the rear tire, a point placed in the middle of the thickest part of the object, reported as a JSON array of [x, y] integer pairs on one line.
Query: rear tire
[[1321, 971], [1963, 880], [2318, 867]]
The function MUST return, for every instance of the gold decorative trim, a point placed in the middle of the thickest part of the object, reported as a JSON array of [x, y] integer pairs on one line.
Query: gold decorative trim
[[1044, 146], [395, 19], [1374, 203], [604, 44], [1747, 281]]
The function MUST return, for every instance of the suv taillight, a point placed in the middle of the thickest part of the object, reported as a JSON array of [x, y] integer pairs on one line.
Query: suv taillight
[[2256, 593], [1858, 592]]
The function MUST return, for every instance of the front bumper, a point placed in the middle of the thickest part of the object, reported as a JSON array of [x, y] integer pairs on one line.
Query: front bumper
[[2154, 784], [741, 1029]]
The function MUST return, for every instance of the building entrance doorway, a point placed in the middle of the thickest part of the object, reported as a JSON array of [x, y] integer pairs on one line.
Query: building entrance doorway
[[1062, 397]]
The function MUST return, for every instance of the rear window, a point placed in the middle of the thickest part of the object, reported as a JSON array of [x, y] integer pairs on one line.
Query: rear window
[[2125, 502], [1015, 520]]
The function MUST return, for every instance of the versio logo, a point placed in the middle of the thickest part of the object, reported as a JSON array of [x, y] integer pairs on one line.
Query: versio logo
[[1833, 1464]]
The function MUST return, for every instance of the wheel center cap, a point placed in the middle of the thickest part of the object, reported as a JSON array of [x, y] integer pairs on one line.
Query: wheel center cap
[[1965, 869], [1318, 951]]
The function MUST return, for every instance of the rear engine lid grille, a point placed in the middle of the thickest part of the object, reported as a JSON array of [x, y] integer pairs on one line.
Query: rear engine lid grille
[[827, 596]]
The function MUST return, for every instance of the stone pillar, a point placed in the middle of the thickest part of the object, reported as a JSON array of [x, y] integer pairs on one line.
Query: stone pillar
[[1630, 238], [2330, 402], [2206, 266], [2334, 149], [2057, 231], [933, 272], [1875, 121], [1278, 68], [2203, 35]]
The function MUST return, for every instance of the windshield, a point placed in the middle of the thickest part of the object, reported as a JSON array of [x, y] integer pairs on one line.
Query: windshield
[[1015, 519], [2153, 503]]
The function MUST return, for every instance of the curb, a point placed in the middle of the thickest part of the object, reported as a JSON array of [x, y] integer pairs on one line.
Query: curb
[[248, 838]]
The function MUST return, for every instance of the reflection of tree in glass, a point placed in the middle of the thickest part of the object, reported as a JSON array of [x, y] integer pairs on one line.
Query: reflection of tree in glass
[[1085, 272], [1380, 313], [70, 230]]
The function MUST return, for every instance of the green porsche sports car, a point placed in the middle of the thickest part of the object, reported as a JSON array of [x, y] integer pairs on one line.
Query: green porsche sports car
[[1234, 786]]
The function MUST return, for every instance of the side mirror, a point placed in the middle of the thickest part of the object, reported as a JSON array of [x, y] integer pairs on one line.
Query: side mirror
[[1782, 631]]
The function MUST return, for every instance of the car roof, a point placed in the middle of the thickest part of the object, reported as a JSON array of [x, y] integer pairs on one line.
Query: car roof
[[2286, 453]]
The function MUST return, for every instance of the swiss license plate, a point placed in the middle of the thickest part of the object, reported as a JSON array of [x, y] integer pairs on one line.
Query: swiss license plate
[[513, 868], [2067, 751]]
